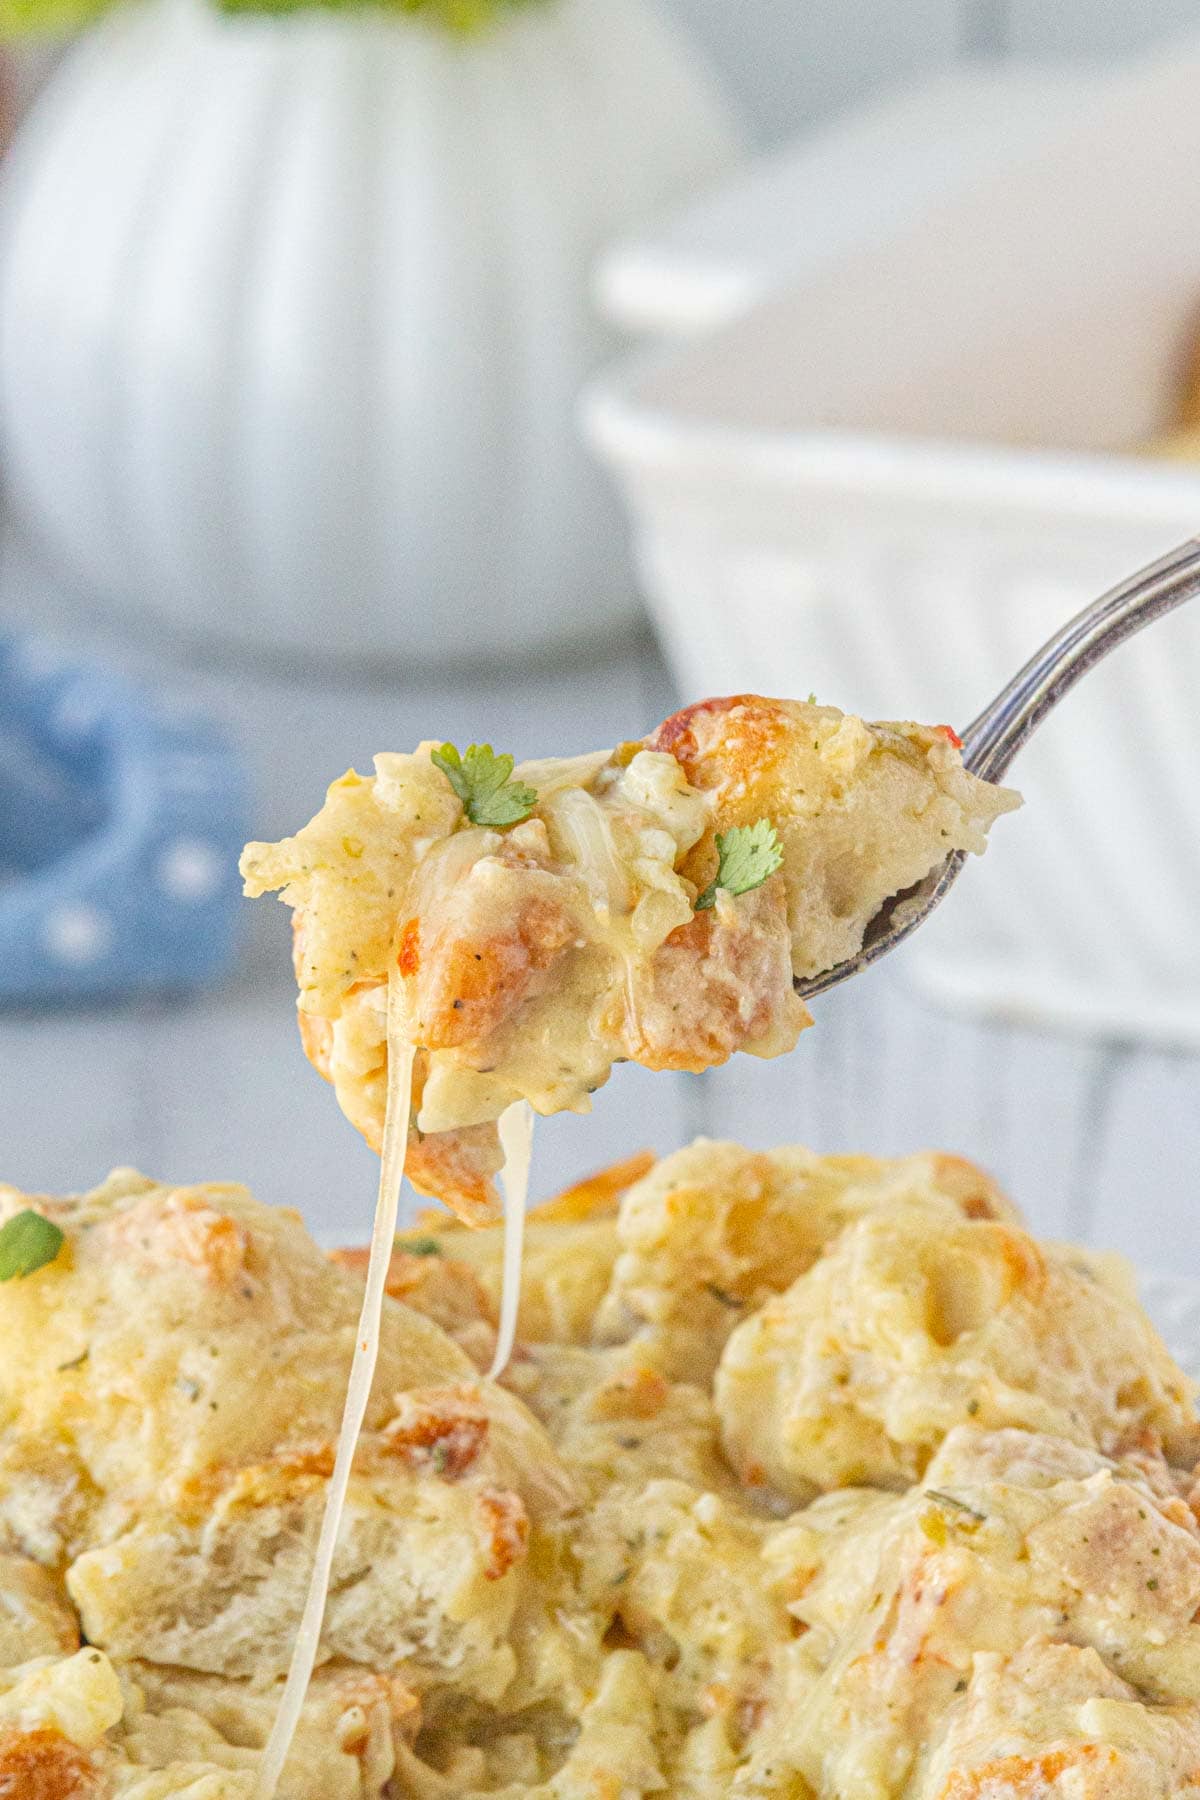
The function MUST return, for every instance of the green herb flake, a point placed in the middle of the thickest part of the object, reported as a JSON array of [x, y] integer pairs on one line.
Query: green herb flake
[[483, 782], [746, 856], [419, 1246], [441, 1457], [726, 1298], [958, 1506], [27, 1243]]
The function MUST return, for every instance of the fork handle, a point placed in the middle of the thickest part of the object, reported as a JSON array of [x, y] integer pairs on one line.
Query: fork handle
[[992, 740]]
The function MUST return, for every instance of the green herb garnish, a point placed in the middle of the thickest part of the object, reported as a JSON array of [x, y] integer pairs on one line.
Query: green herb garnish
[[27, 1243], [421, 1246], [483, 782], [746, 856]]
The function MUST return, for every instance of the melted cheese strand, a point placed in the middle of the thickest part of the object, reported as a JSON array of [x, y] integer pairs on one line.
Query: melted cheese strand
[[358, 1392], [516, 1140]]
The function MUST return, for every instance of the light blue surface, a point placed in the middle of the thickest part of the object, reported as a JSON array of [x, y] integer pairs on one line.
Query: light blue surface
[[121, 820]]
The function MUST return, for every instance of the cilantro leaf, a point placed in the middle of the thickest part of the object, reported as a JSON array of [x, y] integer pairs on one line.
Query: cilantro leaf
[[483, 782], [27, 1243], [746, 856]]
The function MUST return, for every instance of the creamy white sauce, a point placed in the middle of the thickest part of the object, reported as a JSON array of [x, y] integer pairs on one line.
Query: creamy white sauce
[[516, 1140], [358, 1393]]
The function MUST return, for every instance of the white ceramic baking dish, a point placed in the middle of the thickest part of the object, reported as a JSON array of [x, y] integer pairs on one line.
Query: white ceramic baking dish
[[866, 175], [840, 492]]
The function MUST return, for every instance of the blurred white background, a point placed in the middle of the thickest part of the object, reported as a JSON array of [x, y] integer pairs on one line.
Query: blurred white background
[[791, 62]]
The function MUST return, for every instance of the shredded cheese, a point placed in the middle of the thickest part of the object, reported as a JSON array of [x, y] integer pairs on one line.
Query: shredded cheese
[[362, 1373], [516, 1140]]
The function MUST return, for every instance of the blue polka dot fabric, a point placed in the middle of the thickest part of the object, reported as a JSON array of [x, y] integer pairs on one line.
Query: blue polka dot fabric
[[121, 821]]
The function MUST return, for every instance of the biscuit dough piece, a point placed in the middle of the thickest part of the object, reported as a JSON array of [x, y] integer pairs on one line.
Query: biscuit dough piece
[[714, 1230], [913, 1322], [862, 811], [170, 1393]]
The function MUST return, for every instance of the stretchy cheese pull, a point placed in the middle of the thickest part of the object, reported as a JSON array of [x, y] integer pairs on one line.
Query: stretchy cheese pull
[[358, 1393], [516, 1140]]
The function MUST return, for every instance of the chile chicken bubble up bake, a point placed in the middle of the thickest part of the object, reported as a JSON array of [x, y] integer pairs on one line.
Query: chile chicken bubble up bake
[[652, 903], [811, 1477]]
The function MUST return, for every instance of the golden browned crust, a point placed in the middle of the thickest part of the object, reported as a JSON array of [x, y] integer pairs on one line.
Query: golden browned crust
[[505, 1527], [45, 1765], [441, 1429], [736, 746], [596, 1196], [459, 1168]]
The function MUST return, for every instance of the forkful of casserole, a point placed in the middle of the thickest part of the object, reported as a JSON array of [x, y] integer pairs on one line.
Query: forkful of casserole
[[658, 903]]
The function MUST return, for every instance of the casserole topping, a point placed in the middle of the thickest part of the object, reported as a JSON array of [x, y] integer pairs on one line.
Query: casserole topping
[[810, 1477]]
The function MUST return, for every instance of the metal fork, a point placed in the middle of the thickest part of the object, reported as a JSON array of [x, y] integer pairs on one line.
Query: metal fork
[[992, 740]]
